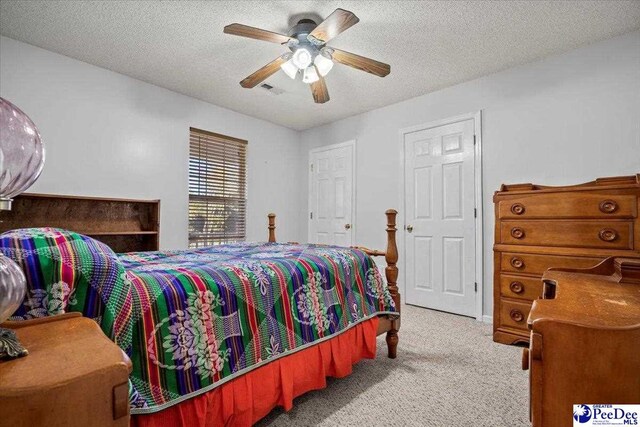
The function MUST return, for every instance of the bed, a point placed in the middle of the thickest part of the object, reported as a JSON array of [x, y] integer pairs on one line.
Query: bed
[[218, 335]]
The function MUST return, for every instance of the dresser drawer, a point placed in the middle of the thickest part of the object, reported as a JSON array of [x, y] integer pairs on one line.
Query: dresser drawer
[[514, 314], [520, 287], [591, 234], [569, 206], [538, 264]]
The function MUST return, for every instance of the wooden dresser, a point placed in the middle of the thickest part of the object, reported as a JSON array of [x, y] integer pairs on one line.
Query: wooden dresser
[[585, 340], [539, 227]]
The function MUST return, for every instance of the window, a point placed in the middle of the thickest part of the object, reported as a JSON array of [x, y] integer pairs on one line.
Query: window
[[217, 189]]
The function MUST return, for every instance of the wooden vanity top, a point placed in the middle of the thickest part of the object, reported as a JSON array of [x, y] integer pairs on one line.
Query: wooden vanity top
[[606, 296]]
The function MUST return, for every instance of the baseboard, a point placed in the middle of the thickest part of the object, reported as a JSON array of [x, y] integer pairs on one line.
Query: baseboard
[[487, 319]]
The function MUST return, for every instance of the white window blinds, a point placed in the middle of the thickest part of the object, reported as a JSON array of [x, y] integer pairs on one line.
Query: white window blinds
[[217, 188]]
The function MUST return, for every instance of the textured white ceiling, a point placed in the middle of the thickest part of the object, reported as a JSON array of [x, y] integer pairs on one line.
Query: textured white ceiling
[[430, 45]]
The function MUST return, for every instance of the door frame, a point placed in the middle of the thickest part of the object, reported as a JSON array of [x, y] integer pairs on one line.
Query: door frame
[[352, 144], [479, 246]]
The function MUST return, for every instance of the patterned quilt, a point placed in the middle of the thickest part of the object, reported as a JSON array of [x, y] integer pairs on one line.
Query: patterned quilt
[[193, 319]]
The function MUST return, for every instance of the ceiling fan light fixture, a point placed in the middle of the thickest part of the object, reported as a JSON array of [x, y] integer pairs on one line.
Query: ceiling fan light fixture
[[323, 63], [290, 69], [302, 58], [310, 75], [309, 53]]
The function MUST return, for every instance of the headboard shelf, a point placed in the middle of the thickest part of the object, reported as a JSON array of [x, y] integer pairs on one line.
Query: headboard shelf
[[118, 233], [126, 225]]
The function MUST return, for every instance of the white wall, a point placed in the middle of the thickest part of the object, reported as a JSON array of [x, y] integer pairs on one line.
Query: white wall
[[110, 135], [567, 119]]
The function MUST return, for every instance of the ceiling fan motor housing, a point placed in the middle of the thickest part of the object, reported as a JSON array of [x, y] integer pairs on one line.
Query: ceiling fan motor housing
[[299, 32], [302, 28]]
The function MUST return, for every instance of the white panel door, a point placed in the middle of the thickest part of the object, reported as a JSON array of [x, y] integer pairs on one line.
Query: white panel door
[[331, 196], [440, 223]]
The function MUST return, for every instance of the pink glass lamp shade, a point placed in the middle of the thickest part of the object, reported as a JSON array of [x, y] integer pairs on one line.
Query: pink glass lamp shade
[[21, 153], [12, 287]]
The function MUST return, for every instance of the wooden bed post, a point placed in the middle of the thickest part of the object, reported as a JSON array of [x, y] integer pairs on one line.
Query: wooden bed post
[[272, 227], [391, 271]]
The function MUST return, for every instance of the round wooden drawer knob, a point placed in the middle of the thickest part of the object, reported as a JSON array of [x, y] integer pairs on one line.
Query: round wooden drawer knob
[[517, 262], [516, 287], [608, 206], [516, 315], [517, 209], [608, 235], [517, 233]]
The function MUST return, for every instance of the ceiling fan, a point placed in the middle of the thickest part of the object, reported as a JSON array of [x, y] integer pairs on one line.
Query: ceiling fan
[[309, 54]]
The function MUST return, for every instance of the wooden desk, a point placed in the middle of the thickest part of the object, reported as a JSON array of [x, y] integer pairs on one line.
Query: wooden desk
[[73, 376], [585, 340]]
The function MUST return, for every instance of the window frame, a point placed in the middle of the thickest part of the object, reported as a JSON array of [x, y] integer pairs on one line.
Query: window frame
[[215, 228]]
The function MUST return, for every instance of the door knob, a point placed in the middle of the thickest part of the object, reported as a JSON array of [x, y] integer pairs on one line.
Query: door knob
[[409, 228], [347, 226]]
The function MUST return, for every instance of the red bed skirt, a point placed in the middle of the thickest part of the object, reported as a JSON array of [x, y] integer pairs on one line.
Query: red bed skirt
[[245, 400]]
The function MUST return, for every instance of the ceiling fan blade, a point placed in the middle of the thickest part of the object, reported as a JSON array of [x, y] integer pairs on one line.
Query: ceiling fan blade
[[339, 21], [264, 72], [319, 91], [256, 33], [360, 62]]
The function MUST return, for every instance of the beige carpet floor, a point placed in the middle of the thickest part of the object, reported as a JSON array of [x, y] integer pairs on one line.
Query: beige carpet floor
[[448, 372]]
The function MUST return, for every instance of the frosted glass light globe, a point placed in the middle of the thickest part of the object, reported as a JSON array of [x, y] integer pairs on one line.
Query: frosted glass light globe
[[323, 64], [290, 69], [21, 153], [302, 58], [310, 75]]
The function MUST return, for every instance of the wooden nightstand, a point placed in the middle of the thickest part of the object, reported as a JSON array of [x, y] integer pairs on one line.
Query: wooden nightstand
[[73, 376]]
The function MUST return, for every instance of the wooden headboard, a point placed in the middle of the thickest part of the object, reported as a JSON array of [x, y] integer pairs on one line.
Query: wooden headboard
[[125, 225]]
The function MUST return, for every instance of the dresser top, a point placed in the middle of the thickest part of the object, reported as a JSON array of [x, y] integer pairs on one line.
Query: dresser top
[[62, 349], [605, 296], [609, 183]]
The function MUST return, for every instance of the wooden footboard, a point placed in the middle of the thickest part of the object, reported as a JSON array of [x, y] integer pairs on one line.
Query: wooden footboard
[[388, 323]]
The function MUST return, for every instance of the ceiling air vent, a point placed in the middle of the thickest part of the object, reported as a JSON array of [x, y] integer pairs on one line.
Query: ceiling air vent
[[272, 90]]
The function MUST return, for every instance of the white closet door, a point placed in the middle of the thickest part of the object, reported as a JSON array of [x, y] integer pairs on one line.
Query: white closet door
[[439, 207], [331, 199]]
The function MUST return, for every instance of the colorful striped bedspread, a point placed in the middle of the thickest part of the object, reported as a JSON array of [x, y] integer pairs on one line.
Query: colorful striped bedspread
[[193, 319]]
